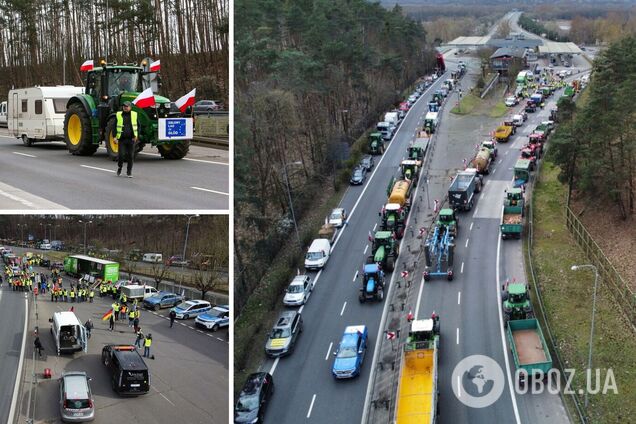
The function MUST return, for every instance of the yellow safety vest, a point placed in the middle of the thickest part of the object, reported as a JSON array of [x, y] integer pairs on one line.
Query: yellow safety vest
[[131, 315], [147, 342], [120, 123], [92, 293]]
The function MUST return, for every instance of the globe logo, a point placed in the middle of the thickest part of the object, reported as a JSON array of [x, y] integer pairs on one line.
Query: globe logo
[[478, 381]]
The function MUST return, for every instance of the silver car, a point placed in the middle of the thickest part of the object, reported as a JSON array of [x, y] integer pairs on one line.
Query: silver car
[[76, 399], [298, 291], [284, 335]]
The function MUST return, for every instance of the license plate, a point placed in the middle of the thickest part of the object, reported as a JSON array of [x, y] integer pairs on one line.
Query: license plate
[[78, 414], [135, 385]]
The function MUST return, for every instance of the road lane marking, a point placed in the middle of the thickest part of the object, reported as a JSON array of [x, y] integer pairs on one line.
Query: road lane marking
[[477, 208], [300, 310], [375, 226], [163, 396], [457, 335], [459, 297], [313, 399], [419, 298], [24, 154], [273, 368], [343, 308], [365, 249], [355, 276], [329, 351], [459, 387], [210, 191], [99, 169], [501, 331], [500, 160], [467, 242], [471, 226], [461, 271], [506, 152]]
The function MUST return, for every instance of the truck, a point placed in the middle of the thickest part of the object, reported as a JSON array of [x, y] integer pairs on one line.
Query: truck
[[376, 143], [530, 352], [417, 150], [137, 291], [82, 265], [431, 121], [386, 129], [441, 66], [90, 117], [521, 172], [392, 118], [417, 392], [372, 283], [384, 250], [482, 161], [462, 190], [503, 133], [37, 114], [512, 215]]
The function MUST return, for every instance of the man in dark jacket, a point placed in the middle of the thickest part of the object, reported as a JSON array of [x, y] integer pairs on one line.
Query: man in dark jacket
[[126, 133]]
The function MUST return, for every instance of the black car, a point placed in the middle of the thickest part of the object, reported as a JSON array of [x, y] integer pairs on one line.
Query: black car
[[367, 162], [128, 371], [358, 176], [45, 262], [252, 401]]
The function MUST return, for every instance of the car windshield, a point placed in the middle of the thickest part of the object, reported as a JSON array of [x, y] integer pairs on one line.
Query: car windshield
[[280, 333], [336, 216], [314, 256], [183, 305], [347, 352], [247, 403], [295, 288], [216, 313], [357, 173]]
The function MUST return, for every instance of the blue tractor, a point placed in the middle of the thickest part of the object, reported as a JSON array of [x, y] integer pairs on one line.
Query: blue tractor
[[372, 283]]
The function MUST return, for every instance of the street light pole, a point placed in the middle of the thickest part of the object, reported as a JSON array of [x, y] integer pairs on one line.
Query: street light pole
[[291, 203], [85, 224], [589, 357], [185, 246]]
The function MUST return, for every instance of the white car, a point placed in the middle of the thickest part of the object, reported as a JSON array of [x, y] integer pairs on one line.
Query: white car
[[412, 99], [298, 291], [338, 217], [511, 101], [191, 308]]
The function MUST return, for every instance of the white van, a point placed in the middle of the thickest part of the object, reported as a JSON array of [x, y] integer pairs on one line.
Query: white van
[[37, 114], [318, 254], [68, 332], [155, 258], [392, 118], [3, 114], [137, 291]]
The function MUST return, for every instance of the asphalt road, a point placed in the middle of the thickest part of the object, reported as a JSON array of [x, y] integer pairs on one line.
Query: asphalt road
[[46, 176], [12, 316], [189, 377]]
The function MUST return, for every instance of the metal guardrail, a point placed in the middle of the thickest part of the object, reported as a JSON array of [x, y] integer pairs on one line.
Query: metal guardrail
[[489, 86]]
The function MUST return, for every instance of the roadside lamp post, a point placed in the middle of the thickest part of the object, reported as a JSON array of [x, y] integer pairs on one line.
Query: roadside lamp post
[[185, 246], [589, 358], [291, 203], [85, 224], [21, 227]]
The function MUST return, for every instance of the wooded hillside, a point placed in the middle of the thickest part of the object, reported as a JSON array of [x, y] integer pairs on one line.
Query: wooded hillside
[[311, 77], [190, 37]]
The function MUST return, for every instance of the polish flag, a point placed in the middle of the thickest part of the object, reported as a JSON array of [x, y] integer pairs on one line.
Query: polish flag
[[185, 101], [87, 66], [145, 99], [155, 66]]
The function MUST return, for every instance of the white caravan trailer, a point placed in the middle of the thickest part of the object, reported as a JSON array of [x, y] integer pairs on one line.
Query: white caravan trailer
[[3, 114], [37, 114]]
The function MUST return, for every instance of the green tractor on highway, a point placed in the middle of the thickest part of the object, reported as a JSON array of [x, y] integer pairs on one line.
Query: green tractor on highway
[[376, 143], [384, 250], [448, 219], [90, 117], [516, 302]]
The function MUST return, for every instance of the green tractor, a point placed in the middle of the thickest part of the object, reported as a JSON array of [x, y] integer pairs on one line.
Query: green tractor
[[417, 150], [384, 250], [516, 302], [376, 143], [514, 197], [90, 117], [410, 170], [448, 219]]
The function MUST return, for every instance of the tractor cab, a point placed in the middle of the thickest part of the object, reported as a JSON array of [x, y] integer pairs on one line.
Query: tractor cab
[[448, 220], [516, 302], [521, 172], [491, 146], [514, 197], [530, 154], [372, 283], [433, 106], [393, 218], [424, 334], [384, 250], [376, 143], [417, 150], [410, 169]]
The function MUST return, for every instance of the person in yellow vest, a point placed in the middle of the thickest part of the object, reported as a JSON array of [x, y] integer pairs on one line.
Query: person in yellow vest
[[131, 318], [147, 344], [91, 295], [72, 295], [116, 310], [137, 313], [126, 137]]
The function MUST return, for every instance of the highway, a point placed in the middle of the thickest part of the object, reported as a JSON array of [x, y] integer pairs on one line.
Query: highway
[[469, 306], [188, 377], [46, 177]]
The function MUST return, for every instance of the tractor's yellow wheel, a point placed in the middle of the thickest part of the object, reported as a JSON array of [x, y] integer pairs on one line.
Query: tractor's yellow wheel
[[111, 147], [74, 130]]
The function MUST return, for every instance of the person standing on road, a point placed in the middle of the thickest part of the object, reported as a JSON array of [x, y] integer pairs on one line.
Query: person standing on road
[[126, 137], [139, 339], [173, 315], [111, 322], [136, 324], [116, 310], [147, 344], [89, 326], [131, 318], [38, 345]]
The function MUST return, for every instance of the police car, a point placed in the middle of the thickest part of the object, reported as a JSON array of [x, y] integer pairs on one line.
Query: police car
[[191, 308], [350, 352], [218, 317]]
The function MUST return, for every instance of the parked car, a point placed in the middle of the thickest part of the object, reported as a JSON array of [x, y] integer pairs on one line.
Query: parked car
[[298, 291], [358, 176], [338, 217], [128, 372], [252, 401], [191, 308], [205, 106], [367, 162], [350, 353], [163, 300], [177, 260], [217, 317], [282, 339], [511, 101], [76, 398]]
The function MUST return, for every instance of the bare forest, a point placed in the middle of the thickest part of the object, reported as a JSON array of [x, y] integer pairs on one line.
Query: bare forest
[[44, 42]]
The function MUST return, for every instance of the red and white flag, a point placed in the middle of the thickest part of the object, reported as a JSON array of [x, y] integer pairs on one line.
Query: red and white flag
[[370, 236], [435, 209], [410, 316], [155, 66], [390, 335], [145, 99], [87, 66], [404, 274], [185, 101], [422, 231]]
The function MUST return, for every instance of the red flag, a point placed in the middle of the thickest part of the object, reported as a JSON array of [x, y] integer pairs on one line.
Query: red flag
[[390, 335], [185, 101], [87, 66], [145, 99], [405, 274], [409, 316], [72, 309], [155, 66]]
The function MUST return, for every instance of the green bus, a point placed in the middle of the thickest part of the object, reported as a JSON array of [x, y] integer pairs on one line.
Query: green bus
[[79, 265]]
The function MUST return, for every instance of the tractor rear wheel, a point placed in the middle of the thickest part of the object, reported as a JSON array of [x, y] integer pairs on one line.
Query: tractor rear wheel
[[390, 263], [78, 131], [173, 151]]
